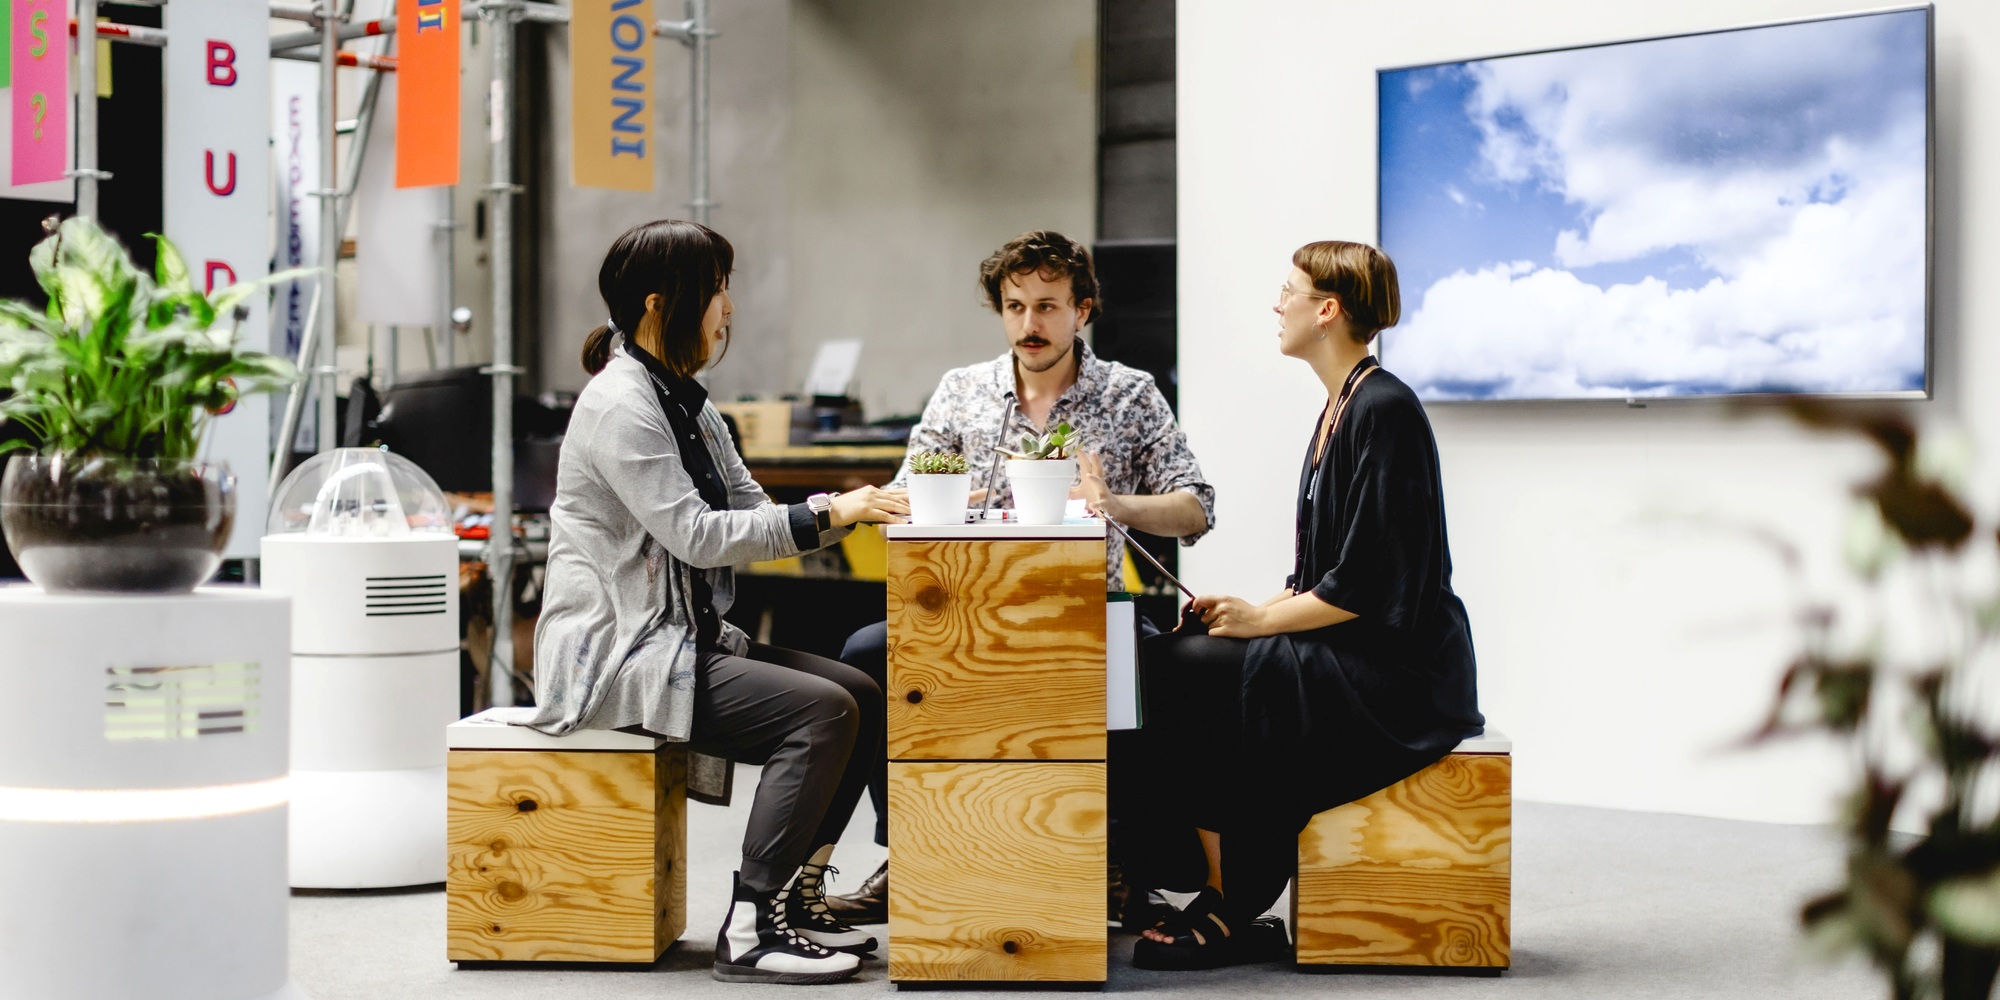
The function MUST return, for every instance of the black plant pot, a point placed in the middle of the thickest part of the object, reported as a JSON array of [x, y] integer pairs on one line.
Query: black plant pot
[[118, 525]]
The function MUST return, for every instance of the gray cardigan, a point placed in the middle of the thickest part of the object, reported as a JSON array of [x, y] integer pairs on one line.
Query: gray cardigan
[[615, 646]]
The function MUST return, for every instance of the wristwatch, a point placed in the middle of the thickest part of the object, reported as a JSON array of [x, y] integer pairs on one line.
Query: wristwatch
[[821, 505]]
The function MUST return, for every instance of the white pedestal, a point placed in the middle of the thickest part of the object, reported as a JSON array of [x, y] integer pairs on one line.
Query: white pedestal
[[143, 795], [375, 671]]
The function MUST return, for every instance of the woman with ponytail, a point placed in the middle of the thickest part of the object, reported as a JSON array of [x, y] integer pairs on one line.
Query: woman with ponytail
[[653, 505]]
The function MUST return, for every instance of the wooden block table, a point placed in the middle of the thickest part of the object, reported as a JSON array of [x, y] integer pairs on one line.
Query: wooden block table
[[1417, 874], [563, 849], [996, 753]]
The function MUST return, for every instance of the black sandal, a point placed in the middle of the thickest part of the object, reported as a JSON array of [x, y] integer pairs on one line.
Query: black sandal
[[1203, 938]]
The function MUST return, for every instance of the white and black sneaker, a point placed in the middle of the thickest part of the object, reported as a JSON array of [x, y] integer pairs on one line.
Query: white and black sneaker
[[758, 945], [811, 918]]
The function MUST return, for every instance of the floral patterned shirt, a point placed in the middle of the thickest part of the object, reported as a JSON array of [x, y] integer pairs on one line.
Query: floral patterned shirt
[[1118, 414]]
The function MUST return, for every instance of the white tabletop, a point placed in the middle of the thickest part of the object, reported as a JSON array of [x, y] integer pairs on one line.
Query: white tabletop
[[995, 530]]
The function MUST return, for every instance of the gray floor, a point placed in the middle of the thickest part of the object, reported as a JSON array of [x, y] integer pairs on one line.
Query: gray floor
[[1606, 904]]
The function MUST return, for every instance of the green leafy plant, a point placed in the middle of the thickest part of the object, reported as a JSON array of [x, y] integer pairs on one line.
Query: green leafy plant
[[1925, 908], [122, 363], [1059, 442], [937, 463]]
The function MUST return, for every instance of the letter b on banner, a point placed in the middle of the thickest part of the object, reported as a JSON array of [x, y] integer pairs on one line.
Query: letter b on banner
[[611, 94]]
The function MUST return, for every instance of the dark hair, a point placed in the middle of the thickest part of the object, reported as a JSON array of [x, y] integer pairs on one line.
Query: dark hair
[[1052, 256], [685, 263], [1361, 277]]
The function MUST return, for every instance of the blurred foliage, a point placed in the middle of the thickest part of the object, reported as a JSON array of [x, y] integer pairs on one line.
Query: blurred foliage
[[122, 362], [1924, 909]]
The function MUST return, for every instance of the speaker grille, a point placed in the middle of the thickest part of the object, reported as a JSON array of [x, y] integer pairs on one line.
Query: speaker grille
[[401, 596]]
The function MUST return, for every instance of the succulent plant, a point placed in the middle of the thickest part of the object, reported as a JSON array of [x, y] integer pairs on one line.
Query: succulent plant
[[937, 463], [1059, 442]]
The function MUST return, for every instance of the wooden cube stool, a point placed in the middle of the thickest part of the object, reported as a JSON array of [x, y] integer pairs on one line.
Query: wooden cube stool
[[1417, 874], [563, 849]]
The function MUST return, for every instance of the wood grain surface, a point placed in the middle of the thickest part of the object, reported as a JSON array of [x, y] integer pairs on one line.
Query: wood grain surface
[[1419, 873], [565, 856], [1000, 872], [996, 650]]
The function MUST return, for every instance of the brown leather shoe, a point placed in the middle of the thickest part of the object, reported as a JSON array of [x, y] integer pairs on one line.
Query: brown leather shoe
[[866, 905]]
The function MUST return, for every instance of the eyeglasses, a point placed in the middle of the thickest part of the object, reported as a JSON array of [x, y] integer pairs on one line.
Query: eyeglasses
[[1286, 291]]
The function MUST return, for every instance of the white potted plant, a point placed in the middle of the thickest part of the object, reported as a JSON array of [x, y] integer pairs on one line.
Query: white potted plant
[[1041, 474], [940, 488]]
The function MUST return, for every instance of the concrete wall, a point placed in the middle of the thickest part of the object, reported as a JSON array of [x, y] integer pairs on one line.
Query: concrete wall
[[1628, 633], [925, 135], [750, 136], [867, 155]]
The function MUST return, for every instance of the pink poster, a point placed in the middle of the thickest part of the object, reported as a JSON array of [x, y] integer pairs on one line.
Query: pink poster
[[41, 90]]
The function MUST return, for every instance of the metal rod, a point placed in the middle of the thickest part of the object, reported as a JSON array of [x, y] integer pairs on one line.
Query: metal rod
[[447, 228], [86, 114], [363, 60], [132, 34], [295, 398], [699, 202], [500, 537], [357, 148], [295, 11], [348, 33], [329, 224]]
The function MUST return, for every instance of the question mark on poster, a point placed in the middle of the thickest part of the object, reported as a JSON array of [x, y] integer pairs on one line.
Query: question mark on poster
[[41, 105]]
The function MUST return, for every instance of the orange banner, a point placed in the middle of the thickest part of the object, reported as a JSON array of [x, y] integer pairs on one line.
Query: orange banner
[[427, 93], [611, 94]]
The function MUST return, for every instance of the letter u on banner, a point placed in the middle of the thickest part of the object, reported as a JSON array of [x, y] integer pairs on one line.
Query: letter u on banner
[[427, 84], [611, 94]]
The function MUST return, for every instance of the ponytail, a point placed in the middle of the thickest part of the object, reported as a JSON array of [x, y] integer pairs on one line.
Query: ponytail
[[597, 349]]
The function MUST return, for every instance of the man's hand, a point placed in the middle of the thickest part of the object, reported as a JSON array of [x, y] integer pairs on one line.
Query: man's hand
[[871, 504], [1092, 489], [1232, 617]]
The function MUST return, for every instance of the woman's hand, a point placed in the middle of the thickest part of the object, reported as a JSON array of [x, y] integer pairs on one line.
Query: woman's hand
[[1232, 617], [870, 504]]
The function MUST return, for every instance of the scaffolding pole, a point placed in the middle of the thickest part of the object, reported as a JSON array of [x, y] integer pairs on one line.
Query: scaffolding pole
[[86, 173], [502, 14], [325, 370], [698, 37]]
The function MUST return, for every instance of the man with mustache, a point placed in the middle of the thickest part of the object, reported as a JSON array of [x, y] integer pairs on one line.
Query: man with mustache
[[1135, 466]]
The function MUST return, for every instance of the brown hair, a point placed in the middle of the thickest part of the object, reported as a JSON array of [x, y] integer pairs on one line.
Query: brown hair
[[1361, 277], [1052, 256], [685, 263]]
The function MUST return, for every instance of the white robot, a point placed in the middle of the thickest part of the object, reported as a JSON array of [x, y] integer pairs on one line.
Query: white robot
[[361, 540]]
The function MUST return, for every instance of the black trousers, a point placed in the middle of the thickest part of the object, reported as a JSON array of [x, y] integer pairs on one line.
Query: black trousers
[[1189, 768], [802, 717], [867, 650]]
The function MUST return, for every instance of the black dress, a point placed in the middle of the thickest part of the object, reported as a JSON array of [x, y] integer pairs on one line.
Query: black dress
[[1371, 701], [1250, 737]]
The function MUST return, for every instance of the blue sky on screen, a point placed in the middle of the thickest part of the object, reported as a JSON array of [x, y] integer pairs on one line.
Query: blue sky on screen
[[1734, 212]]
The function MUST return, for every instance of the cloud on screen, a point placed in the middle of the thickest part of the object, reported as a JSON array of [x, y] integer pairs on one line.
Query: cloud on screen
[[1734, 212]]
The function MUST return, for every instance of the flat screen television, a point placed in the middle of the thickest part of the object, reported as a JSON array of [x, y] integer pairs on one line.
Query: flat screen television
[[1724, 213]]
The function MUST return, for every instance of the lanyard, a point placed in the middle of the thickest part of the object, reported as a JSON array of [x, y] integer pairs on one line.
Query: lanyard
[[1319, 453]]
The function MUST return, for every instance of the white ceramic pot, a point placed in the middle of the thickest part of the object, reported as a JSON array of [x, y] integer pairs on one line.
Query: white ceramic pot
[[1041, 488], [940, 499]]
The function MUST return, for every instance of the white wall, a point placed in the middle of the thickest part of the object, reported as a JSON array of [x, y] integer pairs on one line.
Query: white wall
[[924, 136], [1628, 632]]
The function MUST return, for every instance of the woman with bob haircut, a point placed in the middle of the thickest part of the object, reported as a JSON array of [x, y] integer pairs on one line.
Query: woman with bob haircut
[[1356, 675], [653, 505]]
